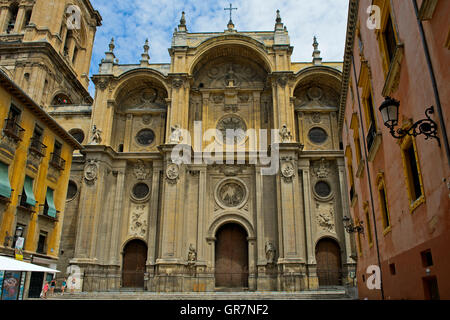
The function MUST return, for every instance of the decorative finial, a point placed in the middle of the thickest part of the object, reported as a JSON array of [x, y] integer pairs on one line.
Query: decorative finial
[[183, 19], [146, 47], [230, 23], [111, 45], [145, 56], [278, 20], [315, 44], [317, 60]]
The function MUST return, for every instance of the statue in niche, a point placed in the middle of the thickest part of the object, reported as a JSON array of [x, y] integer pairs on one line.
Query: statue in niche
[[230, 78], [270, 252], [192, 255], [285, 134], [175, 136], [96, 135]]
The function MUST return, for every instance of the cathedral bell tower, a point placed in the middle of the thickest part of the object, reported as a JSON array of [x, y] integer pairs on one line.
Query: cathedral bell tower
[[46, 48]]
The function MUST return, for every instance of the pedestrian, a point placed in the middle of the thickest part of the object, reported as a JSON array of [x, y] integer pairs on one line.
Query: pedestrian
[[52, 286], [63, 286], [44, 290], [73, 284]]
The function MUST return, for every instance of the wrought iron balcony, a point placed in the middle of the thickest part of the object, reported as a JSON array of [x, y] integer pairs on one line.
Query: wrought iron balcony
[[13, 130], [57, 162], [38, 147]]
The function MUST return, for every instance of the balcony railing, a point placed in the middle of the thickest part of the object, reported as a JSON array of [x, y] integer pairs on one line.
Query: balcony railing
[[57, 162], [38, 147], [371, 135], [13, 130]]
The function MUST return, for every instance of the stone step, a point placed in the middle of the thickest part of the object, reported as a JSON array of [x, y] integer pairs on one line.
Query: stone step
[[304, 295]]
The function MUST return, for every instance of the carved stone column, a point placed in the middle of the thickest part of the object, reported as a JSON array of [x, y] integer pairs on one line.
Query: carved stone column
[[291, 220]]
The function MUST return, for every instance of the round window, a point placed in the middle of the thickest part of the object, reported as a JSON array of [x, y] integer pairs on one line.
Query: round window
[[78, 134], [71, 190], [140, 190], [322, 189], [317, 135], [145, 137]]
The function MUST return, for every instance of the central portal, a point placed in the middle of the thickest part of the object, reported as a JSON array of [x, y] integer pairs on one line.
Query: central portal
[[231, 257]]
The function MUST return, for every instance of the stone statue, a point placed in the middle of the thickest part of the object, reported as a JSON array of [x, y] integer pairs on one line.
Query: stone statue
[[270, 252], [96, 138], [192, 255], [285, 134], [175, 136]]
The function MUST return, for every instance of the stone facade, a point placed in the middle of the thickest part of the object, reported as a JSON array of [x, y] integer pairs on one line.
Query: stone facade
[[128, 192]]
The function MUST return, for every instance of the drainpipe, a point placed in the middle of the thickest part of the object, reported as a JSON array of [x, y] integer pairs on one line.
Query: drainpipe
[[433, 82], [366, 159]]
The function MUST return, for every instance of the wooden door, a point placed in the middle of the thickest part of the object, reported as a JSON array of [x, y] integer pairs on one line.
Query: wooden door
[[134, 259], [231, 257], [328, 257]]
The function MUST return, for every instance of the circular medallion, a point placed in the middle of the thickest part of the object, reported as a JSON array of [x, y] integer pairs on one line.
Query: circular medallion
[[172, 172], [145, 137], [317, 135], [234, 126], [231, 194]]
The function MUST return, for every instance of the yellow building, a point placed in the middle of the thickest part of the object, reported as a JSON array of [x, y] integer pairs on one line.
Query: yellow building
[[35, 160]]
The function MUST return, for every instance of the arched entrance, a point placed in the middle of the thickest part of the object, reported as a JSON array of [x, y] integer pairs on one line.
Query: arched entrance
[[134, 259], [231, 257], [328, 257]]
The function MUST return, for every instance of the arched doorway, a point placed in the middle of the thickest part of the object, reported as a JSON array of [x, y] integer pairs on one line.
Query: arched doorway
[[328, 257], [134, 259], [231, 257]]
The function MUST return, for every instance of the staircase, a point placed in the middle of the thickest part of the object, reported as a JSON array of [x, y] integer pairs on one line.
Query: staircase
[[334, 294]]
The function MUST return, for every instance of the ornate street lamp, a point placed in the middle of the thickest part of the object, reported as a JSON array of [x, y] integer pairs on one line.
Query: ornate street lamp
[[389, 112], [350, 228]]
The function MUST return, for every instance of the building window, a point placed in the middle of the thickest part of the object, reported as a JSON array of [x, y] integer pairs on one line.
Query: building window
[[368, 224], [72, 190], [145, 137], [427, 258], [389, 37], [351, 178], [49, 205], [12, 17], [78, 134], [384, 207], [358, 235], [42, 243], [392, 269], [61, 99], [27, 199], [317, 135], [412, 173]]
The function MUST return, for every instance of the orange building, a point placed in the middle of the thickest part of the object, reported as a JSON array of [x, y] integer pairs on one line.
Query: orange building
[[398, 166]]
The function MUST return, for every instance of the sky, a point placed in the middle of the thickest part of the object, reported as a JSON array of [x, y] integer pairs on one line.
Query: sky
[[132, 22]]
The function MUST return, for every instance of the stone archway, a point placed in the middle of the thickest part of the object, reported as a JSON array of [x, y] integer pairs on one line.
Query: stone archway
[[231, 257], [134, 260]]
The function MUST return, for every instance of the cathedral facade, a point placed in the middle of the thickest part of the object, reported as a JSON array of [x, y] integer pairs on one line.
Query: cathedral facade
[[267, 215]]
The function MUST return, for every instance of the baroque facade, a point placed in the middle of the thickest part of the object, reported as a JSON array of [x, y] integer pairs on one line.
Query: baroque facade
[[137, 218]]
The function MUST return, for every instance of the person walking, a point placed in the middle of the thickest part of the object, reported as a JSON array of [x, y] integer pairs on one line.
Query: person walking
[[52, 286], [44, 290], [73, 285], [63, 286]]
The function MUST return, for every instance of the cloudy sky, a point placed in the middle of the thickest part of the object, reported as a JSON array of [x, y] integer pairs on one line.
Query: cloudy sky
[[131, 22]]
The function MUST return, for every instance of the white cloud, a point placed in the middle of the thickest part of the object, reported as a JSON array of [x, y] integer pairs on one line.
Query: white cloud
[[131, 22]]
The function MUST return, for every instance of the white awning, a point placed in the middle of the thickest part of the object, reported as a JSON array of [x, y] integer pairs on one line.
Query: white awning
[[9, 264]]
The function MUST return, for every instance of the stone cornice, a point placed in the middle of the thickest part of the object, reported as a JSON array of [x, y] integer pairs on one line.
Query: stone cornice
[[349, 43]]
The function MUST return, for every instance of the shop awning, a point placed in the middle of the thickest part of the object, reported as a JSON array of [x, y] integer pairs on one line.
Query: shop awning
[[28, 186], [9, 264], [5, 186], [51, 204]]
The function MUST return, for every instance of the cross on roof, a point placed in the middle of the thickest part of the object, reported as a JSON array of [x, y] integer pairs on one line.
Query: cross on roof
[[231, 10]]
